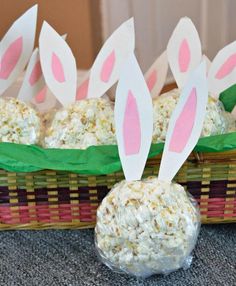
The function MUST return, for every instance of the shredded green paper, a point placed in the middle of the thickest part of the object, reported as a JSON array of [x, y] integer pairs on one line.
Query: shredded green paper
[[95, 160]]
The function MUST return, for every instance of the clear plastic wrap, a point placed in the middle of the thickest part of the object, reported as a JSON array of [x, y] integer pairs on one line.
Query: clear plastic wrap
[[82, 124], [217, 120], [147, 227], [19, 122]]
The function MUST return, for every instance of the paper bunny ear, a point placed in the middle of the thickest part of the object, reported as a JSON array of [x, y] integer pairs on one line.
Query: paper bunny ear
[[58, 65], [207, 61], [133, 119], [222, 73], [16, 47], [184, 50], [185, 124], [44, 101], [34, 89], [82, 89], [33, 80], [156, 75], [115, 51]]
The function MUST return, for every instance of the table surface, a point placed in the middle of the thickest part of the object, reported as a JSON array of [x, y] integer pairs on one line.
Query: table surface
[[67, 257]]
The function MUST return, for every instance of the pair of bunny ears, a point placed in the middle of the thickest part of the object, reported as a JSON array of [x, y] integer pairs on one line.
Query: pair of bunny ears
[[184, 54], [134, 121], [16, 49]]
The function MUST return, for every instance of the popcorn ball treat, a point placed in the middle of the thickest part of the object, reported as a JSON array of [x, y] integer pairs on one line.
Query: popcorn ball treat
[[19, 123], [89, 120], [82, 124], [150, 226], [217, 121], [184, 53], [147, 227]]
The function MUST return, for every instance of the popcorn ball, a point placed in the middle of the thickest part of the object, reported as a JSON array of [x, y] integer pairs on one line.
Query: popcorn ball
[[216, 121], [147, 227], [82, 124], [19, 123]]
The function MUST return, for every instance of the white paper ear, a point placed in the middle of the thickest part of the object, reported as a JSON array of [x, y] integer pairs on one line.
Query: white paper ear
[[34, 89], [82, 89], [133, 119], [222, 73], [44, 101], [33, 80], [207, 61], [156, 75], [106, 68], [58, 65], [185, 124], [16, 47], [184, 50]]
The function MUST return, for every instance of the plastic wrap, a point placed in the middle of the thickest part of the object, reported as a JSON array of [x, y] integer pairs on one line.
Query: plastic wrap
[[82, 124], [217, 120], [19, 122], [147, 227]]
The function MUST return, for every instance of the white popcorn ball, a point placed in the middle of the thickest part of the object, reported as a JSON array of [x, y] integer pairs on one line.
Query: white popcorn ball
[[217, 121], [19, 123], [84, 123], [147, 227]]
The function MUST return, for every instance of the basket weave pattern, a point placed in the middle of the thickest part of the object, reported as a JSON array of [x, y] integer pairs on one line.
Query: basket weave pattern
[[58, 199]]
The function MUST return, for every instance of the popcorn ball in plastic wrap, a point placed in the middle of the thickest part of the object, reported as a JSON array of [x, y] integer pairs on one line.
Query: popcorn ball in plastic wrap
[[150, 226], [184, 52], [147, 227], [86, 118], [82, 124], [217, 121], [19, 123]]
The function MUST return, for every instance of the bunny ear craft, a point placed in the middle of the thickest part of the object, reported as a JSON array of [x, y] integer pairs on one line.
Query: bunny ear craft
[[222, 73], [44, 101], [185, 124], [207, 61], [133, 119], [82, 89], [184, 50], [33, 80], [58, 65], [115, 51], [34, 88], [156, 75], [16, 47]]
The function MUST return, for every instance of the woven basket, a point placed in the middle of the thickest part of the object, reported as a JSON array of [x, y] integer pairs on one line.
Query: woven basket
[[58, 199]]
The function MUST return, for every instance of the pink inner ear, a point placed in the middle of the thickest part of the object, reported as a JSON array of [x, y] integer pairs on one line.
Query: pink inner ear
[[184, 56], [41, 95], [35, 74], [184, 124], [151, 80], [107, 67], [57, 69], [82, 90], [227, 67], [131, 127], [10, 58]]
